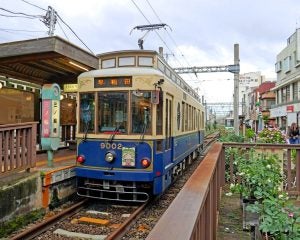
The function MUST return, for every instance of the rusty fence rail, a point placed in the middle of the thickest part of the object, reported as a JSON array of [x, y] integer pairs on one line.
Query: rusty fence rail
[[193, 213], [289, 154], [17, 147]]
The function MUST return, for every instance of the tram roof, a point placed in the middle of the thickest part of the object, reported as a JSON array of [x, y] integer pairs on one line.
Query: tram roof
[[45, 60], [124, 71]]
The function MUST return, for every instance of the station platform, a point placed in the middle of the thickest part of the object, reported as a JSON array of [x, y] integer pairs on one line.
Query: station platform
[[62, 158], [57, 180]]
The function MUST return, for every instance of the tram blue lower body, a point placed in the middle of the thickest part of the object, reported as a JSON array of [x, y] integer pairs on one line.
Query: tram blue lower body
[[115, 175], [163, 163]]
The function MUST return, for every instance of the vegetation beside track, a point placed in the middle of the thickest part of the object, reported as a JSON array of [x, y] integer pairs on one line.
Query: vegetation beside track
[[7, 228]]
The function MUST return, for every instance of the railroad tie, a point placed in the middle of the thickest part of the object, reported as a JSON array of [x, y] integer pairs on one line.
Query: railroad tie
[[96, 221]]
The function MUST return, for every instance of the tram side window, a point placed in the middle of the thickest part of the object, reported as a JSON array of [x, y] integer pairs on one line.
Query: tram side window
[[141, 112], [112, 112], [159, 115], [87, 112]]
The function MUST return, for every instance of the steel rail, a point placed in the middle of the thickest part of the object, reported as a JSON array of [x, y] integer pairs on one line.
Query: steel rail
[[121, 231]]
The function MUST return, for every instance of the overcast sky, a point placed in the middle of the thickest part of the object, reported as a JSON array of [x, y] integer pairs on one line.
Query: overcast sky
[[201, 33]]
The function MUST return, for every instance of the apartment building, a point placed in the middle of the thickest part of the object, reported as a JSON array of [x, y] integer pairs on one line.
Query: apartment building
[[287, 107]]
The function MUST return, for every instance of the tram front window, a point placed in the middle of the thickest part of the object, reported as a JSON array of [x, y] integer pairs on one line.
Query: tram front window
[[112, 112], [87, 112], [141, 112]]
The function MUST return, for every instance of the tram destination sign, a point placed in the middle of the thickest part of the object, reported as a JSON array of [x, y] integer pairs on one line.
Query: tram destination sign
[[107, 82]]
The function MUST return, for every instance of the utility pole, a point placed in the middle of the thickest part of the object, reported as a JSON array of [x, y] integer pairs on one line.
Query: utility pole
[[50, 20], [236, 90]]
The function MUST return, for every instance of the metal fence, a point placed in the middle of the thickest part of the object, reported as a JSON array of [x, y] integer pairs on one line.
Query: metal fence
[[193, 213], [17, 147]]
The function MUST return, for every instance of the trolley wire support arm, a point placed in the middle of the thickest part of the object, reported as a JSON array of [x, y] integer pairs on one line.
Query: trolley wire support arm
[[207, 69]]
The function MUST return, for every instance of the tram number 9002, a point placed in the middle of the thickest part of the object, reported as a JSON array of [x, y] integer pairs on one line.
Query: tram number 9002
[[111, 146]]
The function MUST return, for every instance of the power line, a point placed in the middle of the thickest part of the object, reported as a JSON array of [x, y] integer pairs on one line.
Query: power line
[[18, 30], [20, 13], [73, 32], [62, 30], [34, 5], [154, 30], [170, 36], [4, 15], [154, 11]]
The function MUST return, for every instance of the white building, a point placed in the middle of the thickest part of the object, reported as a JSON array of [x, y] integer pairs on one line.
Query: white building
[[287, 88], [247, 82]]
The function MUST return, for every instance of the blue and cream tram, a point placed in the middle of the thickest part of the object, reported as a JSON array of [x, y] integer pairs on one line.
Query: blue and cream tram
[[139, 125]]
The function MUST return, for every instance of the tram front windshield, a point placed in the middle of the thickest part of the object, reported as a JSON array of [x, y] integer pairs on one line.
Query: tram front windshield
[[116, 112]]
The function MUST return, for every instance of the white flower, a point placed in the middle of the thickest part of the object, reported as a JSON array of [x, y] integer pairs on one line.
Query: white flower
[[279, 188], [280, 196], [242, 173], [235, 163], [268, 166], [232, 185], [228, 194]]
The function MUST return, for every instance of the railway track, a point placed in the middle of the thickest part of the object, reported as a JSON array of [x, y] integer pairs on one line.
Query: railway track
[[85, 220], [92, 220]]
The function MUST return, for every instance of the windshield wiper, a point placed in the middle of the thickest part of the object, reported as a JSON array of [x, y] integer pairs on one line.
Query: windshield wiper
[[85, 132], [114, 133], [143, 132]]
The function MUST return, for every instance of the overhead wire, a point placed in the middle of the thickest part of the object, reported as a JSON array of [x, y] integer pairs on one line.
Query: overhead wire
[[73, 32], [18, 30], [63, 30], [155, 30], [173, 40], [25, 15], [34, 5], [4, 15], [21, 13]]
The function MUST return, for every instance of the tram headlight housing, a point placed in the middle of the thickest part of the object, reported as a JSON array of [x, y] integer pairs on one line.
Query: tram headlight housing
[[110, 156]]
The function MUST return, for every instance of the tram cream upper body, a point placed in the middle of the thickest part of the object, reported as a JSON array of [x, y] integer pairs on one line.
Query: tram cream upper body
[[144, 79]]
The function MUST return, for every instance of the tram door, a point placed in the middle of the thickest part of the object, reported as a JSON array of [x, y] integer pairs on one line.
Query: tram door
[[168, 127]]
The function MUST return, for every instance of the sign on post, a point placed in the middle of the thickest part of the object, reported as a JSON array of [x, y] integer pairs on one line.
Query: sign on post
[[50, 138]]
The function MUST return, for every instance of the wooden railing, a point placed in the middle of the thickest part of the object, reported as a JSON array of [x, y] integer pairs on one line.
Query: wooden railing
[[193, 213], [17, 147], [290, 162]]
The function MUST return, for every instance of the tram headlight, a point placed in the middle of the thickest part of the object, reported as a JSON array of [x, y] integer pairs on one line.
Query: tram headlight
[[109, 157]]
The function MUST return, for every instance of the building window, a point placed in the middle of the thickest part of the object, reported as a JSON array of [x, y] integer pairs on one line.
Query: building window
[[283, 95], [278, 66], [287, 64], [295, 91]]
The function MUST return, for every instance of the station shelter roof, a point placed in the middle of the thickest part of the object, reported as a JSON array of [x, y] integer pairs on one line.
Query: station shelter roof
[[45, 60]]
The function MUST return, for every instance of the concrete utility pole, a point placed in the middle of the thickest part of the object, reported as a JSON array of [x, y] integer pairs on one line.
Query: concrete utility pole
[[236, 78], [50, 20]]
